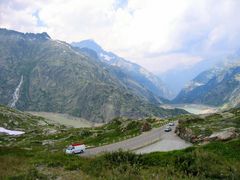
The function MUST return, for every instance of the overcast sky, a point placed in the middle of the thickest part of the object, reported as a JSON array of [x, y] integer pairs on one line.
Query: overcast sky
[[158, 34]]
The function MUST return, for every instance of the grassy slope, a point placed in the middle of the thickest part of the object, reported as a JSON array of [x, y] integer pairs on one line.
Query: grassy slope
[[219, 160], [26, 157], [117, 130], [56, 137]]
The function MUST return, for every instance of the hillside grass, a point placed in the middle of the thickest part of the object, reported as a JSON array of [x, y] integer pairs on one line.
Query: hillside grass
[[217, 160], [57, 137], [39, 154]]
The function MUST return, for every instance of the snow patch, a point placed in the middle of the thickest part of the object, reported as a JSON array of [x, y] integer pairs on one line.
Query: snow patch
[[106, 57], [198, 84], [10, 132], [193, 85]]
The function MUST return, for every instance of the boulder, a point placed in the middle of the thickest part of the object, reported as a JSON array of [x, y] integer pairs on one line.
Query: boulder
[[225, 134], [50, 131], [48, 142], [186, 134]]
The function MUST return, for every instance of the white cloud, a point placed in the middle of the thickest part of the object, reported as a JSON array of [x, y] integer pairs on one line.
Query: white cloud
[[178, 33], [162, 63], [19, 15]]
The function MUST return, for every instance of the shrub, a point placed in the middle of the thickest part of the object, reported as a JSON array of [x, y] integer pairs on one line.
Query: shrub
[[146, 127], [133, 125], [150, 120], [85, 133]]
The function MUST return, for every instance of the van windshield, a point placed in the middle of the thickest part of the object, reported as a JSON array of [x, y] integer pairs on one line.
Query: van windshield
[[70, 148]]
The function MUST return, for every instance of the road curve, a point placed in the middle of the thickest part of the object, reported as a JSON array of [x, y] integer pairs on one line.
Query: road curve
[[168, 142], [143, 141]]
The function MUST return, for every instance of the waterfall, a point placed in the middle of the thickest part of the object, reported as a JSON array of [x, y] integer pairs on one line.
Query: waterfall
[[16, 94]]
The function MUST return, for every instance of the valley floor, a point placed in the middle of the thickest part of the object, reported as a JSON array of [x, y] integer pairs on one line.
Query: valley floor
[[65, 119], [193, 108]]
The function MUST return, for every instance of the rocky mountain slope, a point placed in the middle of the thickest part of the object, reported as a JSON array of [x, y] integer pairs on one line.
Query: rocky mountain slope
[[41, 74], [125, 79], [131, 74], [218, 86]]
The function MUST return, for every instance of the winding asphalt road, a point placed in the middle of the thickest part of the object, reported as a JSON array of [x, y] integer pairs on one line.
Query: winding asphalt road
[[168, 142], [154, 140]]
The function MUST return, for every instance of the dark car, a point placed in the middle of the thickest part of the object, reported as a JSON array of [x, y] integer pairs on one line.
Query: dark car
[[168, 129]]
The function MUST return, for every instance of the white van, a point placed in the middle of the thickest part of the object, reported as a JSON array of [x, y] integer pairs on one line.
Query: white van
[[75, 149], [171, 124]]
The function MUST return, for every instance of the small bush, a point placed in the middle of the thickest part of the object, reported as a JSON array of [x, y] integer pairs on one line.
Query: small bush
[[146, 127], [85, 133], [133, 125]]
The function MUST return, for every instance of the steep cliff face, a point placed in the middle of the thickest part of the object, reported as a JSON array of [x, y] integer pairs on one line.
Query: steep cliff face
[[56, 78]]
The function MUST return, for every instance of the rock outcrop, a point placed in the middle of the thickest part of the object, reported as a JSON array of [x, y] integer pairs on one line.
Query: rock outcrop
[[225, 134]]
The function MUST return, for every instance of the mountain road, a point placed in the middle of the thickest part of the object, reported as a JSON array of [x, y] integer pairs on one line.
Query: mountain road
[[155, 140]]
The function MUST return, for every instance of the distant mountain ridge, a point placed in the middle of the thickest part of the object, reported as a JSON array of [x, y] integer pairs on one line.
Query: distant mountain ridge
[[133, 71], [50, 75], [177, 78], [218, 86]]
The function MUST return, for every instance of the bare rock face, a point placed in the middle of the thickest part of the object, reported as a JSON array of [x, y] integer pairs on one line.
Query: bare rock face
[[186, 133], [226, 134]]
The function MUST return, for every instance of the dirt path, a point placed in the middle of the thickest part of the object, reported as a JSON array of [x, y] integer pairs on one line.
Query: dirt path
[[146, 142]]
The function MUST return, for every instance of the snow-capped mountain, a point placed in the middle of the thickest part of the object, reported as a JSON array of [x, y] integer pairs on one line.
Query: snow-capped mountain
[[134, 72], [217, 86]]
